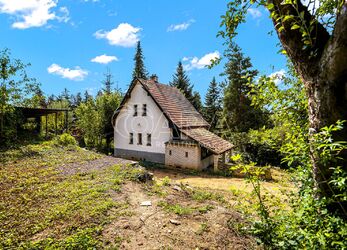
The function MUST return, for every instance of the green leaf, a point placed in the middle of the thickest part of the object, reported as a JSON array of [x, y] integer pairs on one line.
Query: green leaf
[[295, 27], [280, 29], [270, 6], [287, 17]]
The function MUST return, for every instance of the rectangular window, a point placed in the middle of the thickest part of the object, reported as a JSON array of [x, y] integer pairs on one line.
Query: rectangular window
[[139, 139], [186, 154], [131, 139], [170, 153], [149, 139], [135, 110], [144, 110]]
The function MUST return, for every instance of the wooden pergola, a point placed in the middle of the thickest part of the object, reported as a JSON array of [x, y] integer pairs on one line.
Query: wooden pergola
[[37, 113]]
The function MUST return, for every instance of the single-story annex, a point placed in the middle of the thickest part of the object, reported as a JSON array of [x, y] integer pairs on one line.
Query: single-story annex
[[155, 122]]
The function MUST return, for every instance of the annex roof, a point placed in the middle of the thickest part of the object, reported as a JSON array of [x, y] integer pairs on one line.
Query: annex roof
[[37, 112], [208, 140]]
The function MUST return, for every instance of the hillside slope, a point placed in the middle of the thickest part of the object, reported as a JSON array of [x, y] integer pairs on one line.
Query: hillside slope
[[71, 198]]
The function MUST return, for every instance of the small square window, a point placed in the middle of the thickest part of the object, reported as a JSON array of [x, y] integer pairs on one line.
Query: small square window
[[131, 138], [135, 110], [139, 139], [144, 110], [149, 139], [186, 154]]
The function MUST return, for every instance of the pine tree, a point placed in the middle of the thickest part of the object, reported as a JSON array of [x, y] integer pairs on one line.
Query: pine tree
[[51, 99], [181, 81], [213, 104], [196, 102], [66, 96], [78, 99], [100, 93], [87, 96], [238, 114], [140, 69], [108, 82]]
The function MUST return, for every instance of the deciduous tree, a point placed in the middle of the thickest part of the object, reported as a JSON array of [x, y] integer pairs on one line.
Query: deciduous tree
[[315, 39], [15, 85]]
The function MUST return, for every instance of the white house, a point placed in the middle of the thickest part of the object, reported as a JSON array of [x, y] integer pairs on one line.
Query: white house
[[156, 123]]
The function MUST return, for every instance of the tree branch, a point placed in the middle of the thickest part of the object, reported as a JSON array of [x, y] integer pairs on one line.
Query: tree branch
[[305, 60]]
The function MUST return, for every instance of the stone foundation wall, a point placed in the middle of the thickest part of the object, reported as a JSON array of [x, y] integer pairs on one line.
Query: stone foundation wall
[[178, 157], [139, 155]]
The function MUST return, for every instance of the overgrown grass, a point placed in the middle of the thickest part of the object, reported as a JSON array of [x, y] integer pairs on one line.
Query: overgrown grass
[[42, 208]]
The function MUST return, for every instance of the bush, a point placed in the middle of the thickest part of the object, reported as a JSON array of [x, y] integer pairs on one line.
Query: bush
[[66, 140], [254, 149]]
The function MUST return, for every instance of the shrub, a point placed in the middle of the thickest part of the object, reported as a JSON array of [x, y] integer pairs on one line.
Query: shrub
[[66, 140]]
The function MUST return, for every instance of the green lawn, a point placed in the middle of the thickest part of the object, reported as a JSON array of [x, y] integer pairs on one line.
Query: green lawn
[[39, 206]]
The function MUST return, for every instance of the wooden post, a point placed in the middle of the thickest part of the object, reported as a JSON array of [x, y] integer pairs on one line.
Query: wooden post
[[46, 126], [56, 122]]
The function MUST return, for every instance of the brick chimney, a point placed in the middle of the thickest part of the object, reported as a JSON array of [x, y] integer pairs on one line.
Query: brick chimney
[[154, 78]]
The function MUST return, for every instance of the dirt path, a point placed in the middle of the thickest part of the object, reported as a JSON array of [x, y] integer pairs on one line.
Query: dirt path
[[93, 165]]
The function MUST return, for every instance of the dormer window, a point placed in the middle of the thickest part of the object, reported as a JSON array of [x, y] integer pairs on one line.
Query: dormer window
[[144, 110], [135, 110]]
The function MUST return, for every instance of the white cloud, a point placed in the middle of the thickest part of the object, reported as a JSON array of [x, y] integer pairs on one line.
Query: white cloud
[[203, 62], [65, 15], [181, 26], [76, 74], [104, 59], [124, 35], [32, 13], [277, 76], [255, 13], [184, 59]]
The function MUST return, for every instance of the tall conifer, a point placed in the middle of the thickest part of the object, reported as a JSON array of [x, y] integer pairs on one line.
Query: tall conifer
[[213, 104], [139, 69], [238, 113], [181, 81]]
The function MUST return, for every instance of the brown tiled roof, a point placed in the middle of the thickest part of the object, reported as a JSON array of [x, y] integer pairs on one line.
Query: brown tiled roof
[[208, 139], [174, 105]]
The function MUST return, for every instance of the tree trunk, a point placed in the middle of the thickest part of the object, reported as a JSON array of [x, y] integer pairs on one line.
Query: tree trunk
[[327, 104], [323, 69]]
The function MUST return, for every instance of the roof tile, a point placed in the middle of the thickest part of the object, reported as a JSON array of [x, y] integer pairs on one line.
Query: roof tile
[[208, 139], [175, 105]]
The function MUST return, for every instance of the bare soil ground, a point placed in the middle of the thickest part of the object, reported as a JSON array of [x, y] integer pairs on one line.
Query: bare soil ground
[[151, 227], [219, 183]]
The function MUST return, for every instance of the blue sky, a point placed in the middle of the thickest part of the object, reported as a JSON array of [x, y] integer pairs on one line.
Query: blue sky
[[68, 42]]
